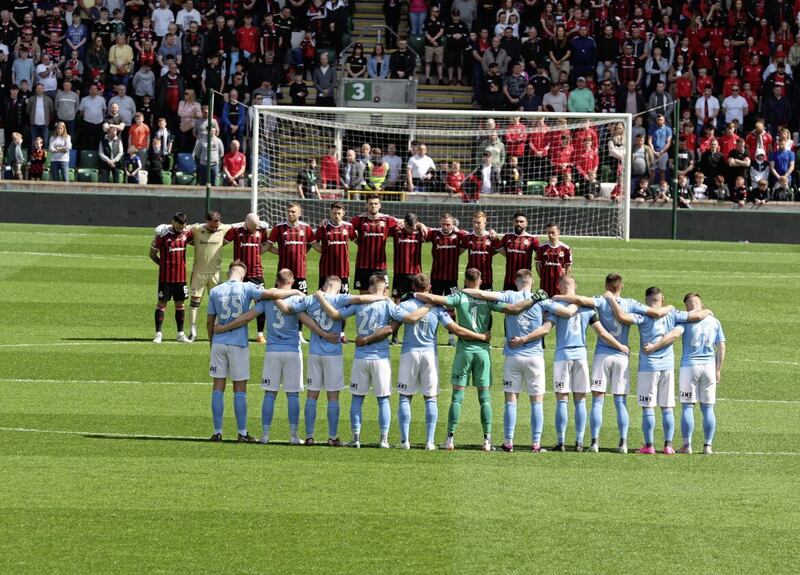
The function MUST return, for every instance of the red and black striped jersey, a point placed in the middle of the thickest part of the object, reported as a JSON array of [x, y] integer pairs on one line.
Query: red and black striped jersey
[[519, 253], [554, 262], [172, 255], [372, 235], [407, 250], [293, 243], [480, 251], [335, 243], [247, 247], [445, 249]]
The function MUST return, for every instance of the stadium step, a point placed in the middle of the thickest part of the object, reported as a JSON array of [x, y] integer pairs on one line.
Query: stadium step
[[443, 97]]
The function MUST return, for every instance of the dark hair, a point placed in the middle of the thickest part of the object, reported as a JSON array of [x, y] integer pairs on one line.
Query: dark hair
[[337, 206], [613, 281], [376, 279], [238, 264], [690, 295], [520, 214], [652, 291], [420, 282], [212, 215], [552, 225], [179, 217], [411, 219], [373, 197], [472, 275]]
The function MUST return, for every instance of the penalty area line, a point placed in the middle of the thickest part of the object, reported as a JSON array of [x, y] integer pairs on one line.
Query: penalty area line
[[102, 381]]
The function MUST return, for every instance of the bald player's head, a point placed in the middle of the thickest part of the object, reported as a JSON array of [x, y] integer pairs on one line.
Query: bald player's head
[[251, 221]]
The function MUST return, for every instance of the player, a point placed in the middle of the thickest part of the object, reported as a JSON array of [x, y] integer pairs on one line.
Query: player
[[446, 250], [291, 240], [655, 383], [168, 251], [701, 367], [610, 366], [371, 366], [570, 368], [333, 237], [553, 260], [372, 230], [418, 369], [325, 360], [524, 356], [518, 248], [408, 241], [481, 245], [230, 356], [249, 242]]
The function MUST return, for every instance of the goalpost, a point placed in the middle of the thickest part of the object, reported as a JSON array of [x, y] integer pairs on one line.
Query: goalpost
[[285, 138]]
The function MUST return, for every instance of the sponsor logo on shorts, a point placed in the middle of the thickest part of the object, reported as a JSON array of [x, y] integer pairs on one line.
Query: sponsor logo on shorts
[[507, 383], [354, 386], [560, 385], [213, 369], [402, 386], [597, 383], [687, 395], [645, 398], [267, 381]]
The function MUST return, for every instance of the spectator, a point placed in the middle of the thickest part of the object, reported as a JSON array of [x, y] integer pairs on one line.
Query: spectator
[[169, 93], [356, 64], [378, 63], [496, 149], [133, 166], [93, 111], [419, 170], [48, 74], [567, 187], [126, 105], [16, 157], [329, 169], [97, 59], [298, 91], [735, 107], [23, 68], [111, 156], [642, 160], [66, 106], [234, 164], [587, 162], [660, 103], [457, 34], [493, 98], [120, 59], [760, 168], [417, 14], [324, 77], [530, 100], [699, 189], [532, 52], [77, 37], [554, 100], [559, 54], [719, 189], [631, 100], [351, 172], [581, 99], [402, 62], [739, 192], [641, 192], [169, 51], [234, 118], [656, 68], [685, 193], [434, 45], [395, 164], [162, 17], [662, 194], [391, 13], [454, 179], [712, 162], [495, 55], [727, 141], [583, 51], [192, 68], [760, 193], [510, 42], [155, 162], [759, 141], [38, 156], [40, 110], [486, 177], [514, 86], [781, 162], [551, 189], [777, 110], [59, 147], [607, 52], [139, 136], [201, 124], [187, 15], [706, 110], [376, 171], [205, 156], [307, 180]]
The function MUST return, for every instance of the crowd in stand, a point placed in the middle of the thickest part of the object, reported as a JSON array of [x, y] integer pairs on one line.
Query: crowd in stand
[[130, 79]]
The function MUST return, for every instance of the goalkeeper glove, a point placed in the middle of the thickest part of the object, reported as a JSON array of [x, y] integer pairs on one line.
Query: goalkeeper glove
[[161, 230], [539, 295]]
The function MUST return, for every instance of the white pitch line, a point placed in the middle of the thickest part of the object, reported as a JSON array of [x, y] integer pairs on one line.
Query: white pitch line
[[772, 361], [75, 343], [194, 437], [102, 381], [73, 255]]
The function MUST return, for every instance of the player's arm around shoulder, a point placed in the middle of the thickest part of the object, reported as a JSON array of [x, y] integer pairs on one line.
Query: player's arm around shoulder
[[580, 300], [435, 299], [619, 314], [539, 333], [665, 341], [694, 315], [378, 335], [492, 296], [243, 319], [467, 334], [315, 328], [560, 310], [405, 315], [603, 334]]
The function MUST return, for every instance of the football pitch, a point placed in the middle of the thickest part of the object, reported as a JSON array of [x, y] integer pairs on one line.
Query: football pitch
[[105, 466]]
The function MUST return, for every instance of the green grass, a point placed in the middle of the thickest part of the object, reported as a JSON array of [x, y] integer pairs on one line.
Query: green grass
[[128, 491]]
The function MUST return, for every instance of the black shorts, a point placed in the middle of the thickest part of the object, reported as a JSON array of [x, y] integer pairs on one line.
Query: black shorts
[[363, 275], [486, 287], [453, 58], [444, 287], [257, 280], [509, 286], [300, 284], [345, 289], [176, 291], [402, 284]]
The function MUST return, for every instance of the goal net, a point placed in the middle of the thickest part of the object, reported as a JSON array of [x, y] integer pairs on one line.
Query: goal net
[[573, 169]]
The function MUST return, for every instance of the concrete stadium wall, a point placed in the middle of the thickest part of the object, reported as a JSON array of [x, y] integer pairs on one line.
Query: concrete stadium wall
[[105, 209]]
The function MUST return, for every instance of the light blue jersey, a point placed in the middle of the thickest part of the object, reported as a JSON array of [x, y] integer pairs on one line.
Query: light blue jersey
[[228, 301], [421, 336], [283, 331], [310, 305], [700, 340], [522, 324], [651, 331], [369, 319], [620, 331], [570, 332]]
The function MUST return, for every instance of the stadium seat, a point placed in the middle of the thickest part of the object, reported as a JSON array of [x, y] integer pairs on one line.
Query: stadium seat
[[184, 179], [73, 158], [166, 178], [186, 163], [535, 188], [72, 174], [169, 163], [88, 175], [47, 161], [417, 43], [90, 159]]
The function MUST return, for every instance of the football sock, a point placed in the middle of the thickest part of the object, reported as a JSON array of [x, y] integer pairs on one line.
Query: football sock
[[404, 417], [709, 422], [180, 314], [596, 416], [333, 418], [431, 418], [648, 424], [537, 421], [454, 416], [622, 416], [217, 409], [261, 320], [193, 313], [485, 399], [310, 413], [384, 414], [687, 422], [240, 409], [159, 319], [267, 411], [668, 422], [580, 419], [562, 417], [356, 405], [509, 420], [293, 407]]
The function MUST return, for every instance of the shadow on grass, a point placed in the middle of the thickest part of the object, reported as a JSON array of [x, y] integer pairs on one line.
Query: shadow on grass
[[131, 339]]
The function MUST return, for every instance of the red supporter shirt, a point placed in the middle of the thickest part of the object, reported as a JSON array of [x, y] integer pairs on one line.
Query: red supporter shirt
[[554, 261], [586, 162], [293, 244], [480, 251], [407, 250], [372, 235], [173, 92], [247, 247], [445, 249], [172, 255], [519, 254], [248, 39], [234, 162], [515, 138], [335, 243], [454, 180]]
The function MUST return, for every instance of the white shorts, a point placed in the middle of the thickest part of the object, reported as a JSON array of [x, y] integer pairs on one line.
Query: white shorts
[[656, 388], [325, 372], [571, 375], [611, 369], [375, 373], [283, 367], [519, 369], [418, 371], [698, 383], [229, 361], [199, 282]]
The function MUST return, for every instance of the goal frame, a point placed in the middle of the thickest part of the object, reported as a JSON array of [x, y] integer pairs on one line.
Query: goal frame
[[626, 119]]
